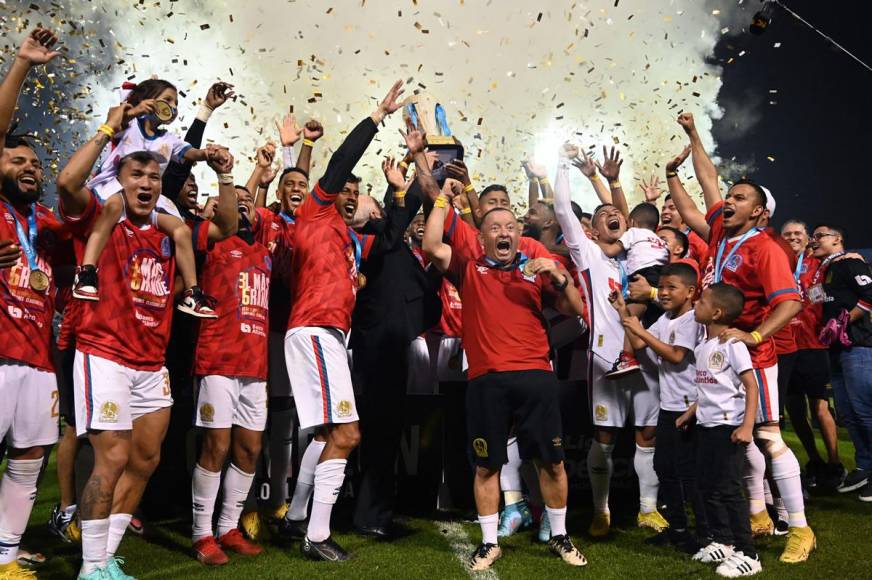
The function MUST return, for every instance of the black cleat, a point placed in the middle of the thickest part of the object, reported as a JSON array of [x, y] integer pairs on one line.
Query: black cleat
[[292, 529], [328, 550]]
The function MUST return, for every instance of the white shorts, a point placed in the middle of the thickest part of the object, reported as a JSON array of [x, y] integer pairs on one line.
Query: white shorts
[[422, 373], [110, 396], [451, 364], [767, 386], [223, 402], [612, 400], [279, 384], [28, 406], [320, 376]]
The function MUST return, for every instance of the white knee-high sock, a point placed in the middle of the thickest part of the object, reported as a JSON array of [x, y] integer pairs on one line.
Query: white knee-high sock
[[117, 526], [329, 476], [281, 427], [785, 472], [204, 488], [643, 463], [510, 474], [95, 535], [236, 486], [488, 528], [305, 481], [599, 469], [17, 494], [557, 520], [755, 469]]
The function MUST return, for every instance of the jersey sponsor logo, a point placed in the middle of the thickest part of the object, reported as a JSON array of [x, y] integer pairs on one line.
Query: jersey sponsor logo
[[862, 279], [601, 412], [716, 361], [253, 296], [479, 445], [109, 412], [207, 413], [344, 408], [235, 254], [148, 280]]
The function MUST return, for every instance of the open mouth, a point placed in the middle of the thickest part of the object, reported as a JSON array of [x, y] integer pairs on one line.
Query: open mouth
[[243, 209], [27, 180], [143, 198], [613, 224], [729, 212], [350, 208], [504, 245], [296, 198], [666, 219]]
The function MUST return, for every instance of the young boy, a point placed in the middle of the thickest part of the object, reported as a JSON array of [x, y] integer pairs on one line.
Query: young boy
[[725, 411], [646, 256], [672, 340]]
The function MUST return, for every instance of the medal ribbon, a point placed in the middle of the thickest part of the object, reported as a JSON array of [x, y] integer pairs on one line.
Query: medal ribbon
[[824, 264], [719, 263], [798, 272], [27, 241]]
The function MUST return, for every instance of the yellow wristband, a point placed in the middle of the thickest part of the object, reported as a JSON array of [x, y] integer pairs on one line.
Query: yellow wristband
[[671, 174], [399, 194], [543, 180], [466, 211], [308, 142], [468, 188], [615, 184], [441, 201], [594, 177], [758, 338], [404, 165], [654, 294], [106, 130]]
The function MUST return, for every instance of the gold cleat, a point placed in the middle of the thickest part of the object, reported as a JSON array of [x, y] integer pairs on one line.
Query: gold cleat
[[14, 571], [600, 526], [74, 531], [253, 526], [762, 524], [273, 518], [800, 543], [652, 520]]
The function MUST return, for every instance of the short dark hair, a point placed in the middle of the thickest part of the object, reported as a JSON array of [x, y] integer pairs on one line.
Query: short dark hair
[[242, 187], [585, 215], [491, 188], [149, 89], [730, 299], [352, 178], [299, 170], [682, 238], [683, 271], [646, 216], [144, 157], [494, 209], [12, 141], [667, 198], [761, 195], [576, 209], [837, 229]]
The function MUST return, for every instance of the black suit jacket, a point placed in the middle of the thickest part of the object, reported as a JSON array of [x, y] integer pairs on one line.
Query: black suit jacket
[[400, 300]]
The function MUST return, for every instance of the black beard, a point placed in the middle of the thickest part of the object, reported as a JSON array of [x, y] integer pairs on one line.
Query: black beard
[[9, 188], [531, 231]]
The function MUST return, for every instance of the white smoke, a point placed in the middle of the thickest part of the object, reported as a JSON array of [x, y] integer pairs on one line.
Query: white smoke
[[516, 79]]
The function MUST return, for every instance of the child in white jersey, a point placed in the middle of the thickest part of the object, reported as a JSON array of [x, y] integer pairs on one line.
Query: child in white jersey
[[672, 340], [646, 255], [725, 411], [152, 104]]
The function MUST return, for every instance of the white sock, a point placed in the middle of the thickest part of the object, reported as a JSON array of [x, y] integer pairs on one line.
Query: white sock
[[488, 528], [785, 473], [281, 427], [95, 534], [17, 494], [599, 469], [643, 463], [557, 519], [204, 489], [305, 481], [755, 469], [329, 476], [781, 509], [117, 526], [510, 474], [236, 486]]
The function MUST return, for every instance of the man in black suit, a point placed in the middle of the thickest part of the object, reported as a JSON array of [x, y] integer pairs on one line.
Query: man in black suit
[[398, 304]]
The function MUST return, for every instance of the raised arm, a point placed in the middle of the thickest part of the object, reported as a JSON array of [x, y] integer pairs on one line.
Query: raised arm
[[437, 251], [611, 170], [312, 131], [687, 209], [35, 50], [705, 170], [532, 185], [225, 222], [263, 174], [541, 176], [573, 234], [587, 166]]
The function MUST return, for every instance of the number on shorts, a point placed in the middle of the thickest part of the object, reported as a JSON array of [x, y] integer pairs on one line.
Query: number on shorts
[[166, 384], [55, 400]]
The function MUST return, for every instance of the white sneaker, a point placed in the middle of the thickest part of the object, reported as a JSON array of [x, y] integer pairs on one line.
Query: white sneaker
[[713, 553], [738, 565]]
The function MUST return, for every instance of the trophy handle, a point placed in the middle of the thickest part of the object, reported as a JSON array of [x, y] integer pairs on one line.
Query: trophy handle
[[442, 121]]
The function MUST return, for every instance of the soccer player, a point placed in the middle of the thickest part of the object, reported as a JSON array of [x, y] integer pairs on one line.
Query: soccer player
[[740, 256], [844, 288], [121, 386], [612, 401], [326, 277], [28, 389], [811, 371], [510, 372]]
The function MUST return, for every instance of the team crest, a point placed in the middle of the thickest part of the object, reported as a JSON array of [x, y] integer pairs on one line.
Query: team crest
[[109, 412], [207, 413], [343, 409], [557, 442], [479, 445], [734, 263], [481, 269], [601, 413], [672, 337], [165, 248], [716, 361]]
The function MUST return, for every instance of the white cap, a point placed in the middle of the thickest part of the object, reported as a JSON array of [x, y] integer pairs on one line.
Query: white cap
[[770, 202]]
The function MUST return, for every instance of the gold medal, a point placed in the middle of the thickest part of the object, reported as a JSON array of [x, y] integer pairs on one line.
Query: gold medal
[[163, 111], [361, 280], [39, 281], [528, 268]]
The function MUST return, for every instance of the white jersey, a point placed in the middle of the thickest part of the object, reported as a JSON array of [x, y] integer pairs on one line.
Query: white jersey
[[677, 381], [598, 274], [166, 145], [644, 249], [721, 394]]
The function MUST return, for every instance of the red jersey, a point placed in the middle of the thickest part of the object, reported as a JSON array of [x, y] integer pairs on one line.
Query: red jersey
[[462, 235], [276, 233], [808, 323], [450, 324], [503, 325], [785, 341], [326, 258], [130, 324], [26, 317], [235, 344], [698, 248], [758, 268]]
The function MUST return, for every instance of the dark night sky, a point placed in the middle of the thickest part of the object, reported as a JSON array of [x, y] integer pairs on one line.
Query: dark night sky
[[819, 131]]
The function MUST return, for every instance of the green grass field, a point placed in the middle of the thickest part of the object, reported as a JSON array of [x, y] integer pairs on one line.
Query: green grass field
[[842, 523]]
